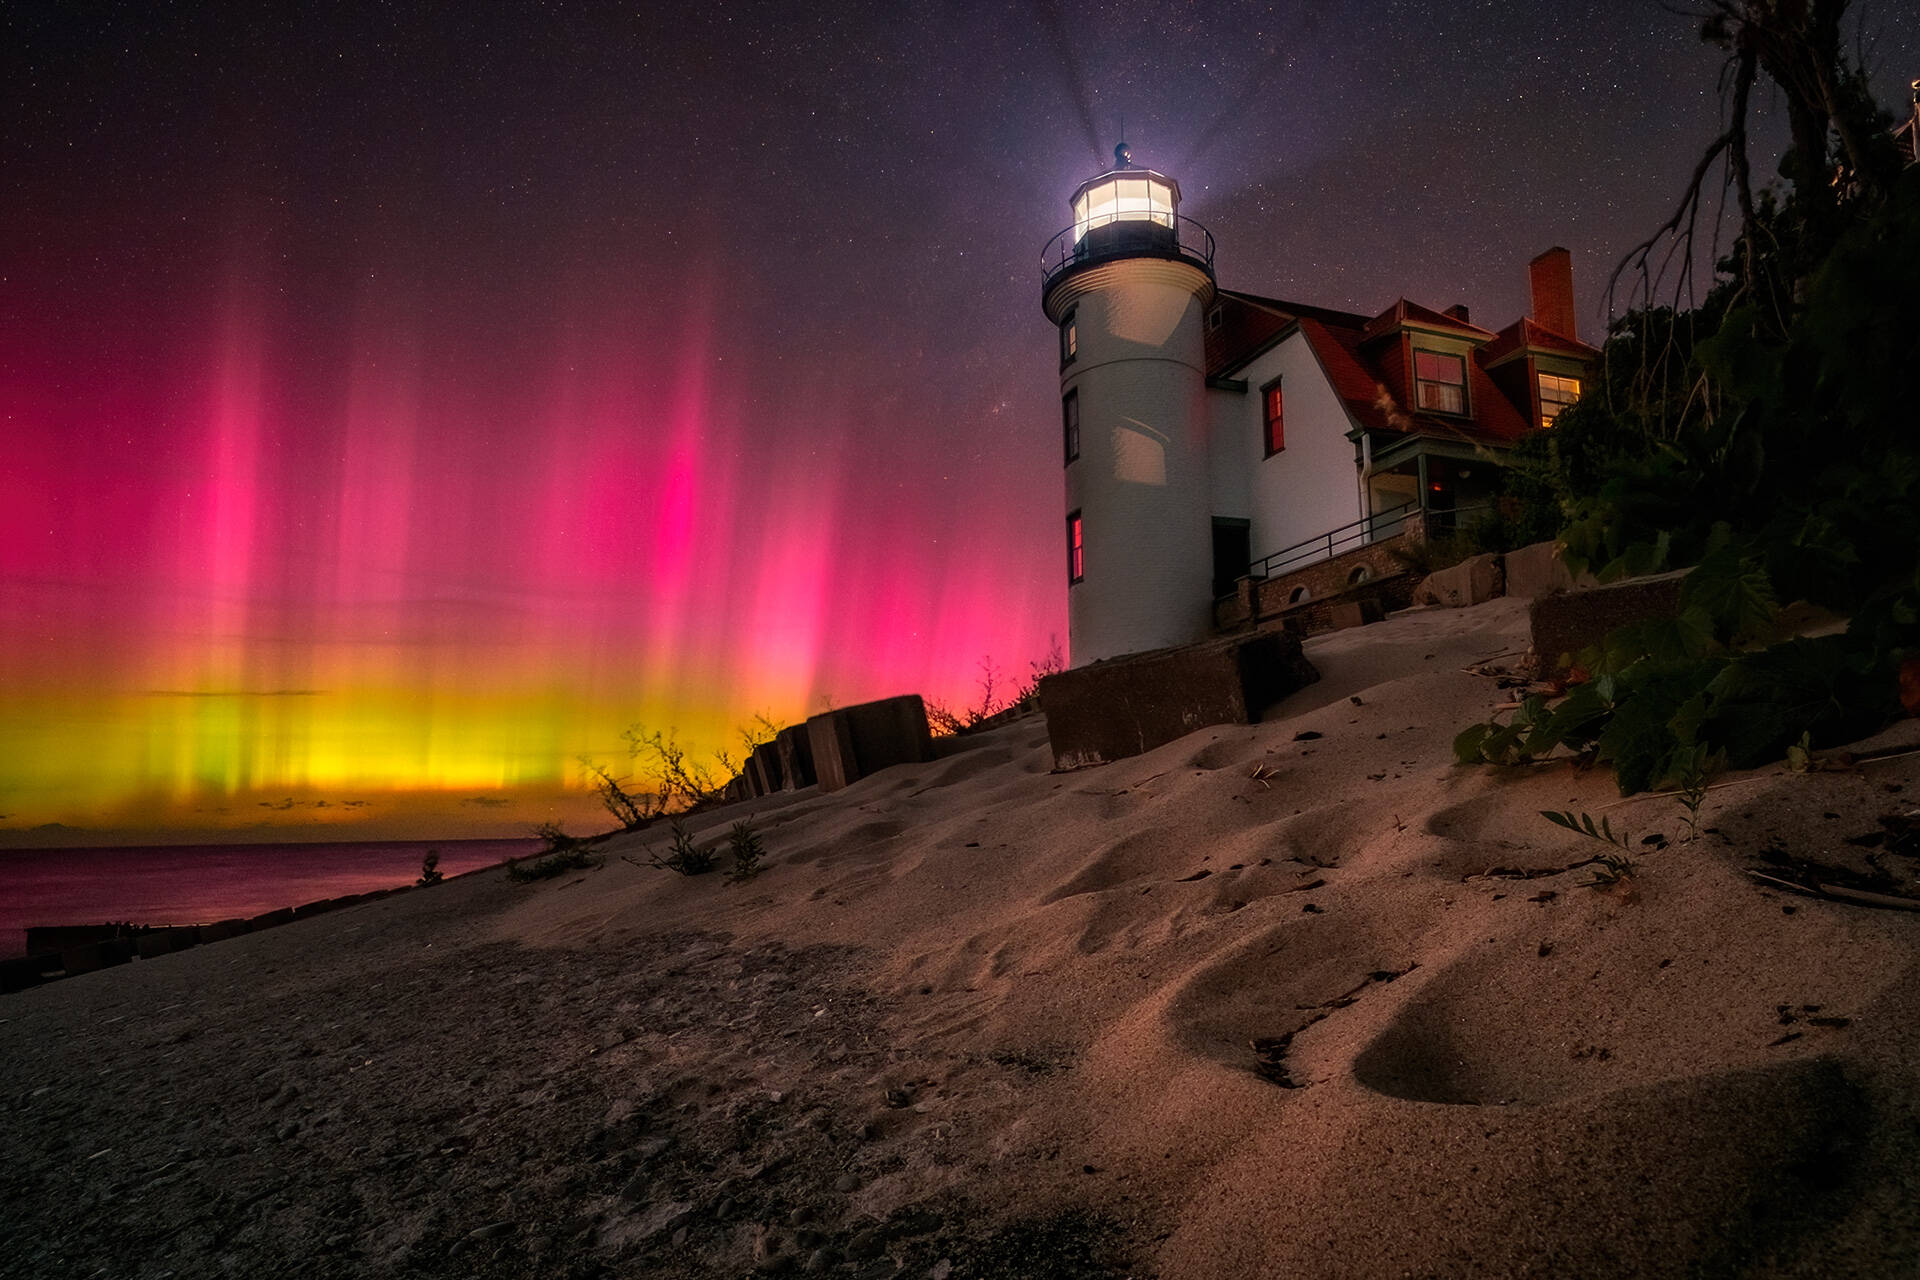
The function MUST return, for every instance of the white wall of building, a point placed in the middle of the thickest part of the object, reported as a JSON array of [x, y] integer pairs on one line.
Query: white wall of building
[[1232, 480], [1312, 485], [1141, 482]]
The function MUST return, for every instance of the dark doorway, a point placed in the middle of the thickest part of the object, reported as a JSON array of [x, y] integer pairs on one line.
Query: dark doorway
[[1232, 552]]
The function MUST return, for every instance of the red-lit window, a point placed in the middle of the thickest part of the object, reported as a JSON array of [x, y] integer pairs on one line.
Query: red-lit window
[[1274, 409], [1070, 423], [1439, 382], [1076, 550]]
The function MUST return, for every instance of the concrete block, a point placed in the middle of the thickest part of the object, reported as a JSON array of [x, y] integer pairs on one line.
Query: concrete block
[[1112, 710], [221, 930], [1342, 614], [22, 972], [796, 757], [852, 742], [164, 942], [1475, 580], [268, 919], [1571, 621], [1536, 571], [764, 763], [319, 906], [89, 956], [44, 939]]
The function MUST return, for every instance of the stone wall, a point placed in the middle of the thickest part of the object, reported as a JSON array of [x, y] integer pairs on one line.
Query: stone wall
[[1259, 600]]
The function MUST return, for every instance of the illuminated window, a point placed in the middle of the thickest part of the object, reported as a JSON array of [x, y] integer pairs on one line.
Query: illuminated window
[[1069, 338], [1273, 407], [1133, 198], [1556, 393], [1439, 382], [1076, 550], [1070, 423]]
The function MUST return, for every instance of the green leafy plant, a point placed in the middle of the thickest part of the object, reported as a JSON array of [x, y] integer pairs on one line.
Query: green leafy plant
[[1692, 783], [1762, 438], [683, 855], [1610, 871], [1582, 824], [744, 843]]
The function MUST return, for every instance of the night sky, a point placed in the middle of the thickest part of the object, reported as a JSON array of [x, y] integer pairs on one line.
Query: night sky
[[398, 401]]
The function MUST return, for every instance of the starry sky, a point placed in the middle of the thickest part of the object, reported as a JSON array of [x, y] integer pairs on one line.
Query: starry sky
[[397, 401]]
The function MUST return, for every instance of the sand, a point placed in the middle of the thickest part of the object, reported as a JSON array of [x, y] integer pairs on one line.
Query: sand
[[1256, 1003]]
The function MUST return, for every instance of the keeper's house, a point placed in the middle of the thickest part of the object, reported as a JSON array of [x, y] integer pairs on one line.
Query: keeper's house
[[1208, 433]]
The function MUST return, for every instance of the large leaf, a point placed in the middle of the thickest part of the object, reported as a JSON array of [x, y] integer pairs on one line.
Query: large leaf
[[1828, 687], [1732, 594]]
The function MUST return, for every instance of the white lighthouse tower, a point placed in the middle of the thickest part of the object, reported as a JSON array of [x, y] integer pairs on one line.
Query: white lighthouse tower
[[1129, 285]]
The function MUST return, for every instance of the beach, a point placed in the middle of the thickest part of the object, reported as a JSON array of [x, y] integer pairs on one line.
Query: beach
[[1301, 998]]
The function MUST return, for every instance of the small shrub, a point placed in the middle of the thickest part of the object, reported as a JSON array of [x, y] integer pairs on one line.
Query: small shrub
[[430, 872], [564, 853], [747, 850], [553, 864], [1609, 872], [685, 857]]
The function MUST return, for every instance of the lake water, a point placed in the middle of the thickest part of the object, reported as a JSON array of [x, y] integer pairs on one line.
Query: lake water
[[198, 884]]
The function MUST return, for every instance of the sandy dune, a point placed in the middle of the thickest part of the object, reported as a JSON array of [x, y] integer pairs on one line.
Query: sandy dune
[[1358, 1015]]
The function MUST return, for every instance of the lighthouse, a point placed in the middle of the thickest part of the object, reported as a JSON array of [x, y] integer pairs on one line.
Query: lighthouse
[[1128, 286]]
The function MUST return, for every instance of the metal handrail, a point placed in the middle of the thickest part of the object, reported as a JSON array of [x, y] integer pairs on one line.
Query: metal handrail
[[1329, 544], [1186, 239]]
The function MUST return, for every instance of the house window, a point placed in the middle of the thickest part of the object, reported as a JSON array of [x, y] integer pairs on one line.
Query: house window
[[1069, 338], [1556, 393], [1439, 382], [1273, 409], [1076, 550], [1216, 318], [1070, 423]]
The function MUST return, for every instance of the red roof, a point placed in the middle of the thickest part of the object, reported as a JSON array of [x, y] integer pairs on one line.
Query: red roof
[[1249, 324], [1534, 336], [1368, 371], [1403, 313]]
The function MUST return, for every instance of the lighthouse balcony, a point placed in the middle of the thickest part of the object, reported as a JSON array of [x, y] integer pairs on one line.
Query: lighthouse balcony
[[1155, 234]]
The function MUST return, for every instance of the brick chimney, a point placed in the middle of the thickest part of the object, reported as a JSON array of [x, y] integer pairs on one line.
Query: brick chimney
[[1551, 275], [1458, 311]]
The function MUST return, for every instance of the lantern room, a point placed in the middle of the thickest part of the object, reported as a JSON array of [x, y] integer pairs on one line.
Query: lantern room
[[1126, 212], [1127, 208]]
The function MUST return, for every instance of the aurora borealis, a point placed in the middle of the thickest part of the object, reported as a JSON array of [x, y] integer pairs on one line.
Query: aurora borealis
[[399, 401]]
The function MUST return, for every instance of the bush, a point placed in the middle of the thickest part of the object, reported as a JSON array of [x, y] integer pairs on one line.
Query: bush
[[430, 872], [685, 857], [747, 850], [564, 853]]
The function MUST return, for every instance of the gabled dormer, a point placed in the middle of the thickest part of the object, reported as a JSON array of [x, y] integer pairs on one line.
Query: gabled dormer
[[1428, 364], [1538, 362]]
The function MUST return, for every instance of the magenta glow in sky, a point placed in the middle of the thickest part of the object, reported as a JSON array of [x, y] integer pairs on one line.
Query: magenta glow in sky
[[397, 401]]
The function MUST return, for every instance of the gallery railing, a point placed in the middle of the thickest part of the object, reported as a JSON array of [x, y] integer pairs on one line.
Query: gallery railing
[[1126, 235]]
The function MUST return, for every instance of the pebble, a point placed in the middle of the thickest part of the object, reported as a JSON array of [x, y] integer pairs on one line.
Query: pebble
[[941, 1269], [866, 1243], [492, 1231], [846, 1182], [282, 1098], [821, 1261]]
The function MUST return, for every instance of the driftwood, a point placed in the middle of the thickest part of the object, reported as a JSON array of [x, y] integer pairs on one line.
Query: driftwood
[[1838, 892]]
